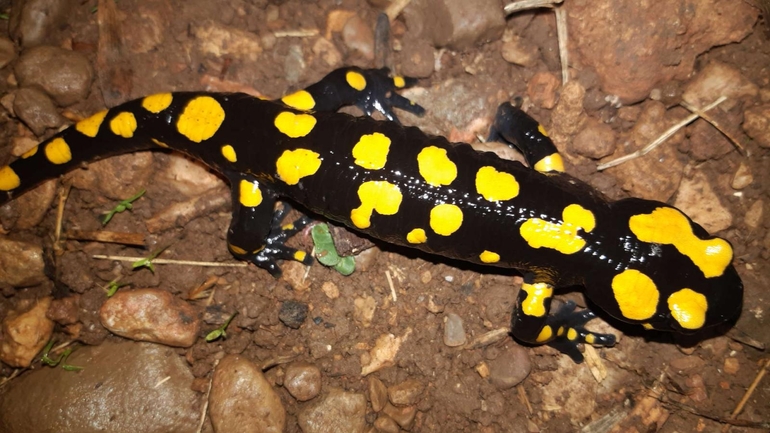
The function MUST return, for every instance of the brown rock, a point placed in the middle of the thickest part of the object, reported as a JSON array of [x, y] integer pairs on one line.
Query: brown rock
[[406, 393], [118, 177], [568, 115], [417, 59], [378, 393], [242, 399], [715, 80], [510, 368], [25, 332], [519, 52], [30, 208], [151, 315], [64, 311], [7, 52], [338, 411], [35, 22], [358, 36], [697, 199], [756, 123], [21, 263], [302, 380], [541, 89], [64, 75], [596, 140], [635, 50], [404, 416], [456, 24], [36, 110], [119, 390]]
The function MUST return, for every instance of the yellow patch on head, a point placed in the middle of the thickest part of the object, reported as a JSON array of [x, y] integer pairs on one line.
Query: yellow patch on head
[[249, 193], [416, 236], [159, 143], [446, 219], [300, 100], [382, 197], [294, 125], [551, 162], [371, 151], [236, 250], [30, 153], [229, 153], [666, 225], [545, 334], [90, 126], [560, 237], [355, 80], [200, 119], [636, 294], [9, 180], [435, 167], [58, 151], [537, 295], [157, 102], [496, 185], [293, 165], [489, 257], [124, 124], [399, 81], [689, 308]]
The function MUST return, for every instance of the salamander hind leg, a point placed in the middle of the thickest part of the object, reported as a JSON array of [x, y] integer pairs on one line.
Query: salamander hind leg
[[518, 129], [256, 233], [563, 330]]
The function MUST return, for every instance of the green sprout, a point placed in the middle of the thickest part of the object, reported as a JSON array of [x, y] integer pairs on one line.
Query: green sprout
[[147, 261], [62, 358], [326, 252], [122, 206], [113, 286], [4, 17], [220, 332]]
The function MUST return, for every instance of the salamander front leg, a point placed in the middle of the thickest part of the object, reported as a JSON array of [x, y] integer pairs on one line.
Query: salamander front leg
[[256, 233], [563, 330]]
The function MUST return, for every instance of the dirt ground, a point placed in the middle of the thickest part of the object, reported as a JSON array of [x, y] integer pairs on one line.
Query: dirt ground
[[194, 45]]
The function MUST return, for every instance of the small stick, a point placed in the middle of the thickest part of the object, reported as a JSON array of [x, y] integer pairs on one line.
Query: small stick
[[392, 289], [751, 389], [170, 261], [136, 239], [530, 4], [563, 38], [657, 142], [299, 33], [708, 118], [395, 8]]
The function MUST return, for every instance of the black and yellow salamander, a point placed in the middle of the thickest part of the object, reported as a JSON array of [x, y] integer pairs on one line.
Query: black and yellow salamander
[[640, 261]]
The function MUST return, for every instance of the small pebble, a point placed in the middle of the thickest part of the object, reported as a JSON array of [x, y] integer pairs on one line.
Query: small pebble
[[406, 393], [293, 313], [753, 216], [404, 416], [302, 380], [510, 368], [378, 393], [742, 177], [26, 331], [454, 331], [330, 290], [732, 365], [386, 424], [338, 411]]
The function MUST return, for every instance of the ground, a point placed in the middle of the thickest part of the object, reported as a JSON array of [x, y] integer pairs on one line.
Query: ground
[[273, 48]]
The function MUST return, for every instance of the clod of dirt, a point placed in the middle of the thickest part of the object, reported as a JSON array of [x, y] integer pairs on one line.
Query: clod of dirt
[[302, 380], [118, 390], [64, 75], [756, 123], [697, 199], [338, 411], [151, 315], [25, 332], [242, 399], [456, 24], [293, 313], [596, 140], [21, 264]]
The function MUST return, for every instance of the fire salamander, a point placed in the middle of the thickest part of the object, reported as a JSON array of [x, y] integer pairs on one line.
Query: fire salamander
[[640, 261]]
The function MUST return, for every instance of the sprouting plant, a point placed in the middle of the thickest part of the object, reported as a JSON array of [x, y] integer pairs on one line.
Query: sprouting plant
[[220, 332], [147, 261], [326, 252], [62, 358], [122, 206]]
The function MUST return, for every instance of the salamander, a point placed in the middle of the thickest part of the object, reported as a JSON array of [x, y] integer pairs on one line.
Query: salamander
[[640, 261]]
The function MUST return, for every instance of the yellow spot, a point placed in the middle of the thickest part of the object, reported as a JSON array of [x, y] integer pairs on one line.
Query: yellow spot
[[537, 294], [58, 151], [229, 153], [560, 332], [294, 125], [371, 151], [590, 339], [647, 326], [356, 80], [542, 130], [200, 119], [636, 294], [446, 219], [545, 334], [435, 167], [380, 196], [416, 236], [572, 334], [8, 179], [30, 153], [249, 194], [157, 103], [496, 185], [237, 250], [399, 81], [550, 163], [666, 225], [300, 256], [124, 124], [560, 237], [688, 308], [300, 100], [293, 165], [90, 126], [489, 257], [159, 143], [287, 226]]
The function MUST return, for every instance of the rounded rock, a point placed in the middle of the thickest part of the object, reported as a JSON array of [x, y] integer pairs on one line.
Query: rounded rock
[[302, 380]]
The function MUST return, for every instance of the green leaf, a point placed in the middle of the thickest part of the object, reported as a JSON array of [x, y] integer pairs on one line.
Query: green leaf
[[122, 206], [325, 251], [346, 266]]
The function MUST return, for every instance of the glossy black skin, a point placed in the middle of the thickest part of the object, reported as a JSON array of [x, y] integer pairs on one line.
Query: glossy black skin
[[332, 193]]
